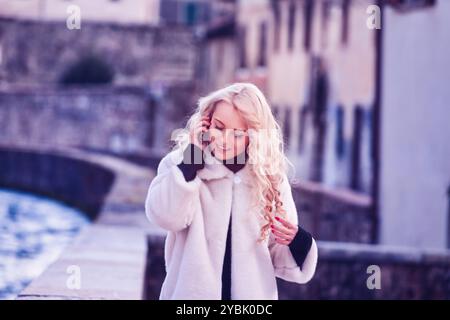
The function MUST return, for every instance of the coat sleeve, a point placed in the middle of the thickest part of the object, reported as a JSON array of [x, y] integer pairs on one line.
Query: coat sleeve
[[286, 262], [171, 200]]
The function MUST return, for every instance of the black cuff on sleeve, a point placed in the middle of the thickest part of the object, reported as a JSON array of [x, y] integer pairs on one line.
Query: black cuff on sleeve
[[192, 162], [300, 246]]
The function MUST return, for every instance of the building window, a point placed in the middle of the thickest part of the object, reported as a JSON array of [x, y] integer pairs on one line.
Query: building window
[[242, 47], [262, 52], [448, 218], [325, 17], [302, 127], [169, 11], [287, 126], [191, 13], [345, 21], [220, 55], [340, 122], [406, 5], [370, 115], [308, 11], [276, 21], [291, 24], [355, 176]]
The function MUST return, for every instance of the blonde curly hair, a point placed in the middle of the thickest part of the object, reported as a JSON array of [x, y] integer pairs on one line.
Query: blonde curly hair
[[266, 157]]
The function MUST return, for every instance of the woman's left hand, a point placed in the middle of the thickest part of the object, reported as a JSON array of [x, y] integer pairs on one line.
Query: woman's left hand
[[285, 232]]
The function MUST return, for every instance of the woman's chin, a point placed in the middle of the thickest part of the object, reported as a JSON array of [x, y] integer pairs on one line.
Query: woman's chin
[[220, 154]]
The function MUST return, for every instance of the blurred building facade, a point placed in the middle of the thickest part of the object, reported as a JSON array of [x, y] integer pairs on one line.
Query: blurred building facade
[[349, 98], [364, 113], [143, 12], [65, 77], [119, 11], [414, 137], [317, 67], [132, 55]]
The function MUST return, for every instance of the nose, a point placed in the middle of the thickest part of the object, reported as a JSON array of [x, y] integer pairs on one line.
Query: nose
[[223, 139]]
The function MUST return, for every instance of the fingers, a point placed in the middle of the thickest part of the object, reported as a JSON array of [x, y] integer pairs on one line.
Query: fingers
[[282, 235], [205, 120], [282, 238], [283, 229], [281, 241], [202, 124], [285, 232], [286, 223], [200, 128]]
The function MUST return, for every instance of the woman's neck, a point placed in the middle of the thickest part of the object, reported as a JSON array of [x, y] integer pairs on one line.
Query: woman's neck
[[235, 164]]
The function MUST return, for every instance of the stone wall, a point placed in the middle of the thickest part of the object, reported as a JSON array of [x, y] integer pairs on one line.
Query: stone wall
[[405, 273], [78, 183], [334, 214], [117, 119], [111, 252], [152, 92], [38, 52]]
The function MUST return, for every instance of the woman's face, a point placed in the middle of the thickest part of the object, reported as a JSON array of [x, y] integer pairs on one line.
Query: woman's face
[[228, 132]]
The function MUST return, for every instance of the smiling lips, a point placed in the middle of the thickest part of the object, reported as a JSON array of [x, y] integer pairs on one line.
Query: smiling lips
[[222, 149]]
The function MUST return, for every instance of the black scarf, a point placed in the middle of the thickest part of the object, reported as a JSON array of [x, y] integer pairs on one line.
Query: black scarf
[[237, 163]]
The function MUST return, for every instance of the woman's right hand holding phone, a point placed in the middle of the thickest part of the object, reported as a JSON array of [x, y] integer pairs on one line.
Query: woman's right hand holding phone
[[197, 134]]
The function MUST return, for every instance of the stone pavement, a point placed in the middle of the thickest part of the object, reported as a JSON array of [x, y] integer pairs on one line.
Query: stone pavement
[[108, 259]]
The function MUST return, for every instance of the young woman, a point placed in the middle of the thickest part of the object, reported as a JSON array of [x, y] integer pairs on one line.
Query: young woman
[[224, 197]]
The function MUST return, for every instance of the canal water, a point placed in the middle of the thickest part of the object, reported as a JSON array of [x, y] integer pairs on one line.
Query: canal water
[[33, 233]]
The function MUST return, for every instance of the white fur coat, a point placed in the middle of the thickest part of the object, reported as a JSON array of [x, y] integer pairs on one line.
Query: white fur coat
[[196, 216]]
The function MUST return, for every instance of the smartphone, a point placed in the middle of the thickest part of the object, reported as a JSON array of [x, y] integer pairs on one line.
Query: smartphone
[[205, 137]]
